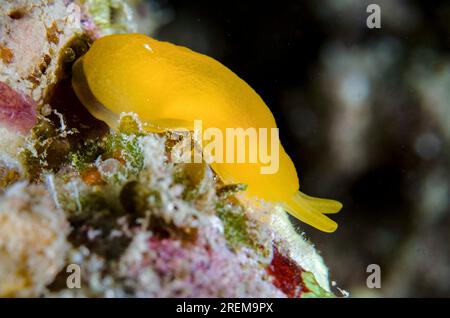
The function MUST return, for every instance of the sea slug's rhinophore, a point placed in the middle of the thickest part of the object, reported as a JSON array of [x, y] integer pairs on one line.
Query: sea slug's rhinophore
[[171, 86]]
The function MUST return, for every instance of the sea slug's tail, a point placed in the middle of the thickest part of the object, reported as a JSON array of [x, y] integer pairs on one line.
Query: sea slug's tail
[[311, 211]]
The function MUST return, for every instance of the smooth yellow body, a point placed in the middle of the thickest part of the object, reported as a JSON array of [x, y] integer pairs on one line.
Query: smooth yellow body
[[168, 86]]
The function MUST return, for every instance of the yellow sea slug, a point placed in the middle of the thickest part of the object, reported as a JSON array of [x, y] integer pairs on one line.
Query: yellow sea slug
[[169, 86]]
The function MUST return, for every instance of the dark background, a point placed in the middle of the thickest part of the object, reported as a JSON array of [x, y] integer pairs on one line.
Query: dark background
[[364, 114]]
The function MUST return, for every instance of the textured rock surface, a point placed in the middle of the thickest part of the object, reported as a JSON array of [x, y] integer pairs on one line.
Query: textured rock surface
[[32, 35], [32, 240], [145, 226]]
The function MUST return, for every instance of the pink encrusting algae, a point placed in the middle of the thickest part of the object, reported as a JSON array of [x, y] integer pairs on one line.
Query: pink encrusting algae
[[17, 111]]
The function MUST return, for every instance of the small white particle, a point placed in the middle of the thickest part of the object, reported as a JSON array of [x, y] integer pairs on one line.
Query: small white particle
[[148, 47], [343, 292], [51, 185], [61, 120]]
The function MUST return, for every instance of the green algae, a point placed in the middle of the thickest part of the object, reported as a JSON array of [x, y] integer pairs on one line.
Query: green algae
[[124, 148], [313, 288], [235, 225], [85, 156]]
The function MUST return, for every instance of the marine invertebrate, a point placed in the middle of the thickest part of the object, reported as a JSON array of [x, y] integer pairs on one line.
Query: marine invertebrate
[[169, 87], [116, 202]]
